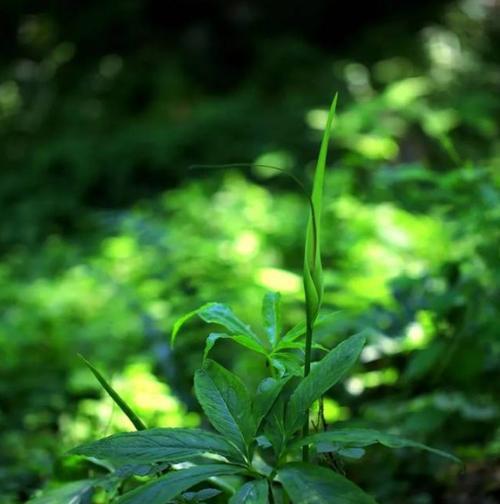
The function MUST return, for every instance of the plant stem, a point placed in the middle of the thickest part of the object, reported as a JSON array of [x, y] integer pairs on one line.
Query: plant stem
[[307, 368]]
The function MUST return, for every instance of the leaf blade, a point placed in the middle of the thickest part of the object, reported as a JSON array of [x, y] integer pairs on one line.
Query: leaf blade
[[328, 371], [312, 484], [226, 402], [271, 314], [120, 402], [253, 492], [158, 445], [174, 483], [360, 438]]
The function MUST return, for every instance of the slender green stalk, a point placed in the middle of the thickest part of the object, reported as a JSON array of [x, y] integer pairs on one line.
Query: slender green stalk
[[307, 369]]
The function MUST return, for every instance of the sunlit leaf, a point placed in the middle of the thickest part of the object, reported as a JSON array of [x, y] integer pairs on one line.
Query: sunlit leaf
[[313, 273], [127, 410], [216, 313], [271, 313]]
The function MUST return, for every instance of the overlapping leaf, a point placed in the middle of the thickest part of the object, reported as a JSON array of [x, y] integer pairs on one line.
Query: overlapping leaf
[[312, 484], [226, 402], [328, 371], [158, 445], [172, 484], [359, 438]]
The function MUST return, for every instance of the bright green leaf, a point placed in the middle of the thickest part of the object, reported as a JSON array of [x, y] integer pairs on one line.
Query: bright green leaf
[[271, 313], [313, 273], [127, 410], [312, 484], [216, 313]]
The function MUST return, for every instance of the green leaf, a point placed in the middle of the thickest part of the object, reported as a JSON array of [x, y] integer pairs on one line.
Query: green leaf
[[274, 426], [201, 495], [127, 410], [267, 393], [300, 329], [287, 364], [241, 339], [77, 492], [326, 373], [312, 484], [359, 438], [216, 313], [253, 492], [313, 273], [226, 402], [167, 487], [158, 445], [271, 313]]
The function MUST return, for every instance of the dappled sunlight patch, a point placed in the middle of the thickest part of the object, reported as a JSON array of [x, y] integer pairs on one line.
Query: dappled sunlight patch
[[151, 398]]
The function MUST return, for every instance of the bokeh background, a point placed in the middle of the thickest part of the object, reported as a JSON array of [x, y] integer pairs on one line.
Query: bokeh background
[[106, 236]]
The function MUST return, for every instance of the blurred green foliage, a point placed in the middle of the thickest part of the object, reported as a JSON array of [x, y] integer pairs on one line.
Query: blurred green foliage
[[99, 259]]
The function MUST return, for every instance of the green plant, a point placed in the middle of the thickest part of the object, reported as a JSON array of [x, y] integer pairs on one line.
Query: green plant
[[262, 451]]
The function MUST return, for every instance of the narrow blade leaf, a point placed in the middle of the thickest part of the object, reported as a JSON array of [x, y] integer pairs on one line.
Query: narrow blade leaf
[[167, 487], [313, 273], [127, 410], [312, 484], [326, 373]]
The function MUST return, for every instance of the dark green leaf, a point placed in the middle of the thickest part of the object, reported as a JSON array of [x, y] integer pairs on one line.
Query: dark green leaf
[[216, 313], [253, 492], [226, 402], [201, 495], [127, 410], [359, 438], [158, 445], [267, 393], [326, 373], [311, 484], [167, 487], [271, 313], [274, 425]]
